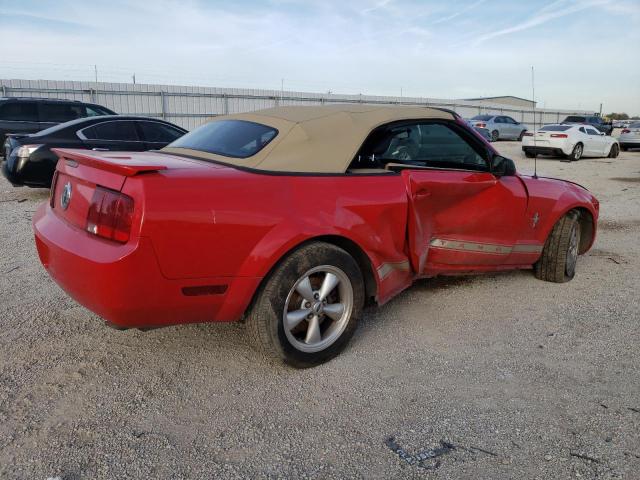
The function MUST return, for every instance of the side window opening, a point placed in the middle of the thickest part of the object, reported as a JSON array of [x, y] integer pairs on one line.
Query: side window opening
[[422, 145]]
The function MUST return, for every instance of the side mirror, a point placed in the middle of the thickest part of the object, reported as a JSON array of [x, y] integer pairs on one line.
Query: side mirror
[[602, 133], [502, 167]]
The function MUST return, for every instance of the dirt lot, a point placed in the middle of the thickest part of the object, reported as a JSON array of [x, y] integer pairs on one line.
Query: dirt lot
[[500, 376]]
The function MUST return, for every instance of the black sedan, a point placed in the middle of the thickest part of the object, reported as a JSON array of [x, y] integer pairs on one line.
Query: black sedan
[[30, 161]]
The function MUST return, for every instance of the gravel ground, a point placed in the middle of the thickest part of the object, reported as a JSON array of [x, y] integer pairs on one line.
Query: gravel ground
[[499, 376]]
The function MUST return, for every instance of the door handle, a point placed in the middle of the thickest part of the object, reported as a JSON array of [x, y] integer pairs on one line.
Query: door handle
[[422, 193], [98, 149]]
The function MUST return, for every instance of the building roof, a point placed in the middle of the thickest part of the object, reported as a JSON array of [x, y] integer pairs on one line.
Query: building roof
[[499, 97], [319, 139]]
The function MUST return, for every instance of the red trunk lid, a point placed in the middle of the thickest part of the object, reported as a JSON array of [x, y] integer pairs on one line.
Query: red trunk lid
[[79, 172]]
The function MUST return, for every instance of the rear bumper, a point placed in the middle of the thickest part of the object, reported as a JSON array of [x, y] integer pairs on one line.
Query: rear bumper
[[629, 143], [544, 151], [21, 171], [123, 283]]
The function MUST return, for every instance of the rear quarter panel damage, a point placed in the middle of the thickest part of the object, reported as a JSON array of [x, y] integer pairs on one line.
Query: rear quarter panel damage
[[232, 223]]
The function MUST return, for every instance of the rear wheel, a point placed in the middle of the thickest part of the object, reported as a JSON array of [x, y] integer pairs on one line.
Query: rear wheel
[[495, 135], [560, 253], [623, 148], [576, 153], [308, 309], [529, 154], [613, 153]]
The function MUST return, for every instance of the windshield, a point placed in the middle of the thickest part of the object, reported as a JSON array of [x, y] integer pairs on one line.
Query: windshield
[[230, 138], [484, 118], [554, 128]]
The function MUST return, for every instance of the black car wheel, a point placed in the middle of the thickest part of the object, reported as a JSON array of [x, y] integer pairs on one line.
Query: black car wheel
[[576, 153], [308, 309], [529, 154], [495, 135], [560, 253], [613, 153]]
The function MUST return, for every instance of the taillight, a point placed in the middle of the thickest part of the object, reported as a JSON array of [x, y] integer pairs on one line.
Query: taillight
[[52, 200], [559, 135], [527, 134], [626, 130], [110, 215], [481, 125]]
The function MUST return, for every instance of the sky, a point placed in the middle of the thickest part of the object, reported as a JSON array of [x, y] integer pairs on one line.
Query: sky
[[585, 52]]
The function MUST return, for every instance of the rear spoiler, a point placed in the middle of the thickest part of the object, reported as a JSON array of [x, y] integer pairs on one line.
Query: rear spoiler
[[119, 163]]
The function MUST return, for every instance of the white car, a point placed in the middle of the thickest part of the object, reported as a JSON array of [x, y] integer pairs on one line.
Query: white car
[[630, 136], [570, 141]]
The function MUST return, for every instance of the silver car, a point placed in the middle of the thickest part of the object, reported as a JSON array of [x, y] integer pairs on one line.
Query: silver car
[[500, 127], [630, 137]]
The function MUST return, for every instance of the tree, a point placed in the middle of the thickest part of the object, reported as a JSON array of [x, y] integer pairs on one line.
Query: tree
[[618, 116]]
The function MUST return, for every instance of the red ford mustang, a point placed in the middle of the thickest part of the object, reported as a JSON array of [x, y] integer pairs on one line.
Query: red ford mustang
[[291, 219]]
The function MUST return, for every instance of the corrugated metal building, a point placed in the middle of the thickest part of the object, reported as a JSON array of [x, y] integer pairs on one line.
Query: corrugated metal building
[[191, 106]]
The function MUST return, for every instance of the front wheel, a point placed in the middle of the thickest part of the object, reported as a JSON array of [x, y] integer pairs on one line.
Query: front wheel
[[560, 253], [529, 154], [495, 135], [615, 150], [308, 309]]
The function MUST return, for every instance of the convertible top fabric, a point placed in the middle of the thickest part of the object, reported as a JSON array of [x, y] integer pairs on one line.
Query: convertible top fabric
[[321, 139]]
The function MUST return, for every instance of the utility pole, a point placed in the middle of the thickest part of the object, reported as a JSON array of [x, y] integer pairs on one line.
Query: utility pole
[[601, 110], [134, 78], [281, 89], [95, 71]]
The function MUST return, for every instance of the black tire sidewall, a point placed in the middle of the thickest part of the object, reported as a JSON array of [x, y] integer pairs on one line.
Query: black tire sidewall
[[275, 294]]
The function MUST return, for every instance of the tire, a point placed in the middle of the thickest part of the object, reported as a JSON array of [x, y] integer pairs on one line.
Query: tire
[[576, 153], [615, 151], [521, 135], [302, 345], [560, 253], [623, 148], [529, 154], [495, 136]]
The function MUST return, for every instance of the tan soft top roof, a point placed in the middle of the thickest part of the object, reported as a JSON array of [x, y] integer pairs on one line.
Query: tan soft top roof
[[321, 139]]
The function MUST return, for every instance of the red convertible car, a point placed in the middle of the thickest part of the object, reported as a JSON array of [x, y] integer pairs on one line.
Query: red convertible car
[[292, 219]]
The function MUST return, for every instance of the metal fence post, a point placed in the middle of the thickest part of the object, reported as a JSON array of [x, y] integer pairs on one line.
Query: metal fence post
[[226, 103], [4, 90], [163, 106], [558, 118]]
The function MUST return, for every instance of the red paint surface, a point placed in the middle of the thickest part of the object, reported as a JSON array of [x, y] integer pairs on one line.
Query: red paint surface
[[196, 224]]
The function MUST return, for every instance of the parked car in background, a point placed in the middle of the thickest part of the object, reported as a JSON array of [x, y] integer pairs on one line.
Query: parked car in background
[[630, 136], [291, 219], [570, 141], [30, 115], [484, 133], [500, 127], [594, 120], [29, 159]]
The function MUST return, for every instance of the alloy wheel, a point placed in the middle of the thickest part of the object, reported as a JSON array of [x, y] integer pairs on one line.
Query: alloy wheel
[[318, 308]]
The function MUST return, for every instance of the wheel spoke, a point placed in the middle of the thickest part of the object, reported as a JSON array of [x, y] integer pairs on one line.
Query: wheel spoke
[[304, 289], [295, 317], [313, 331], [328, 284], [334, 310]]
